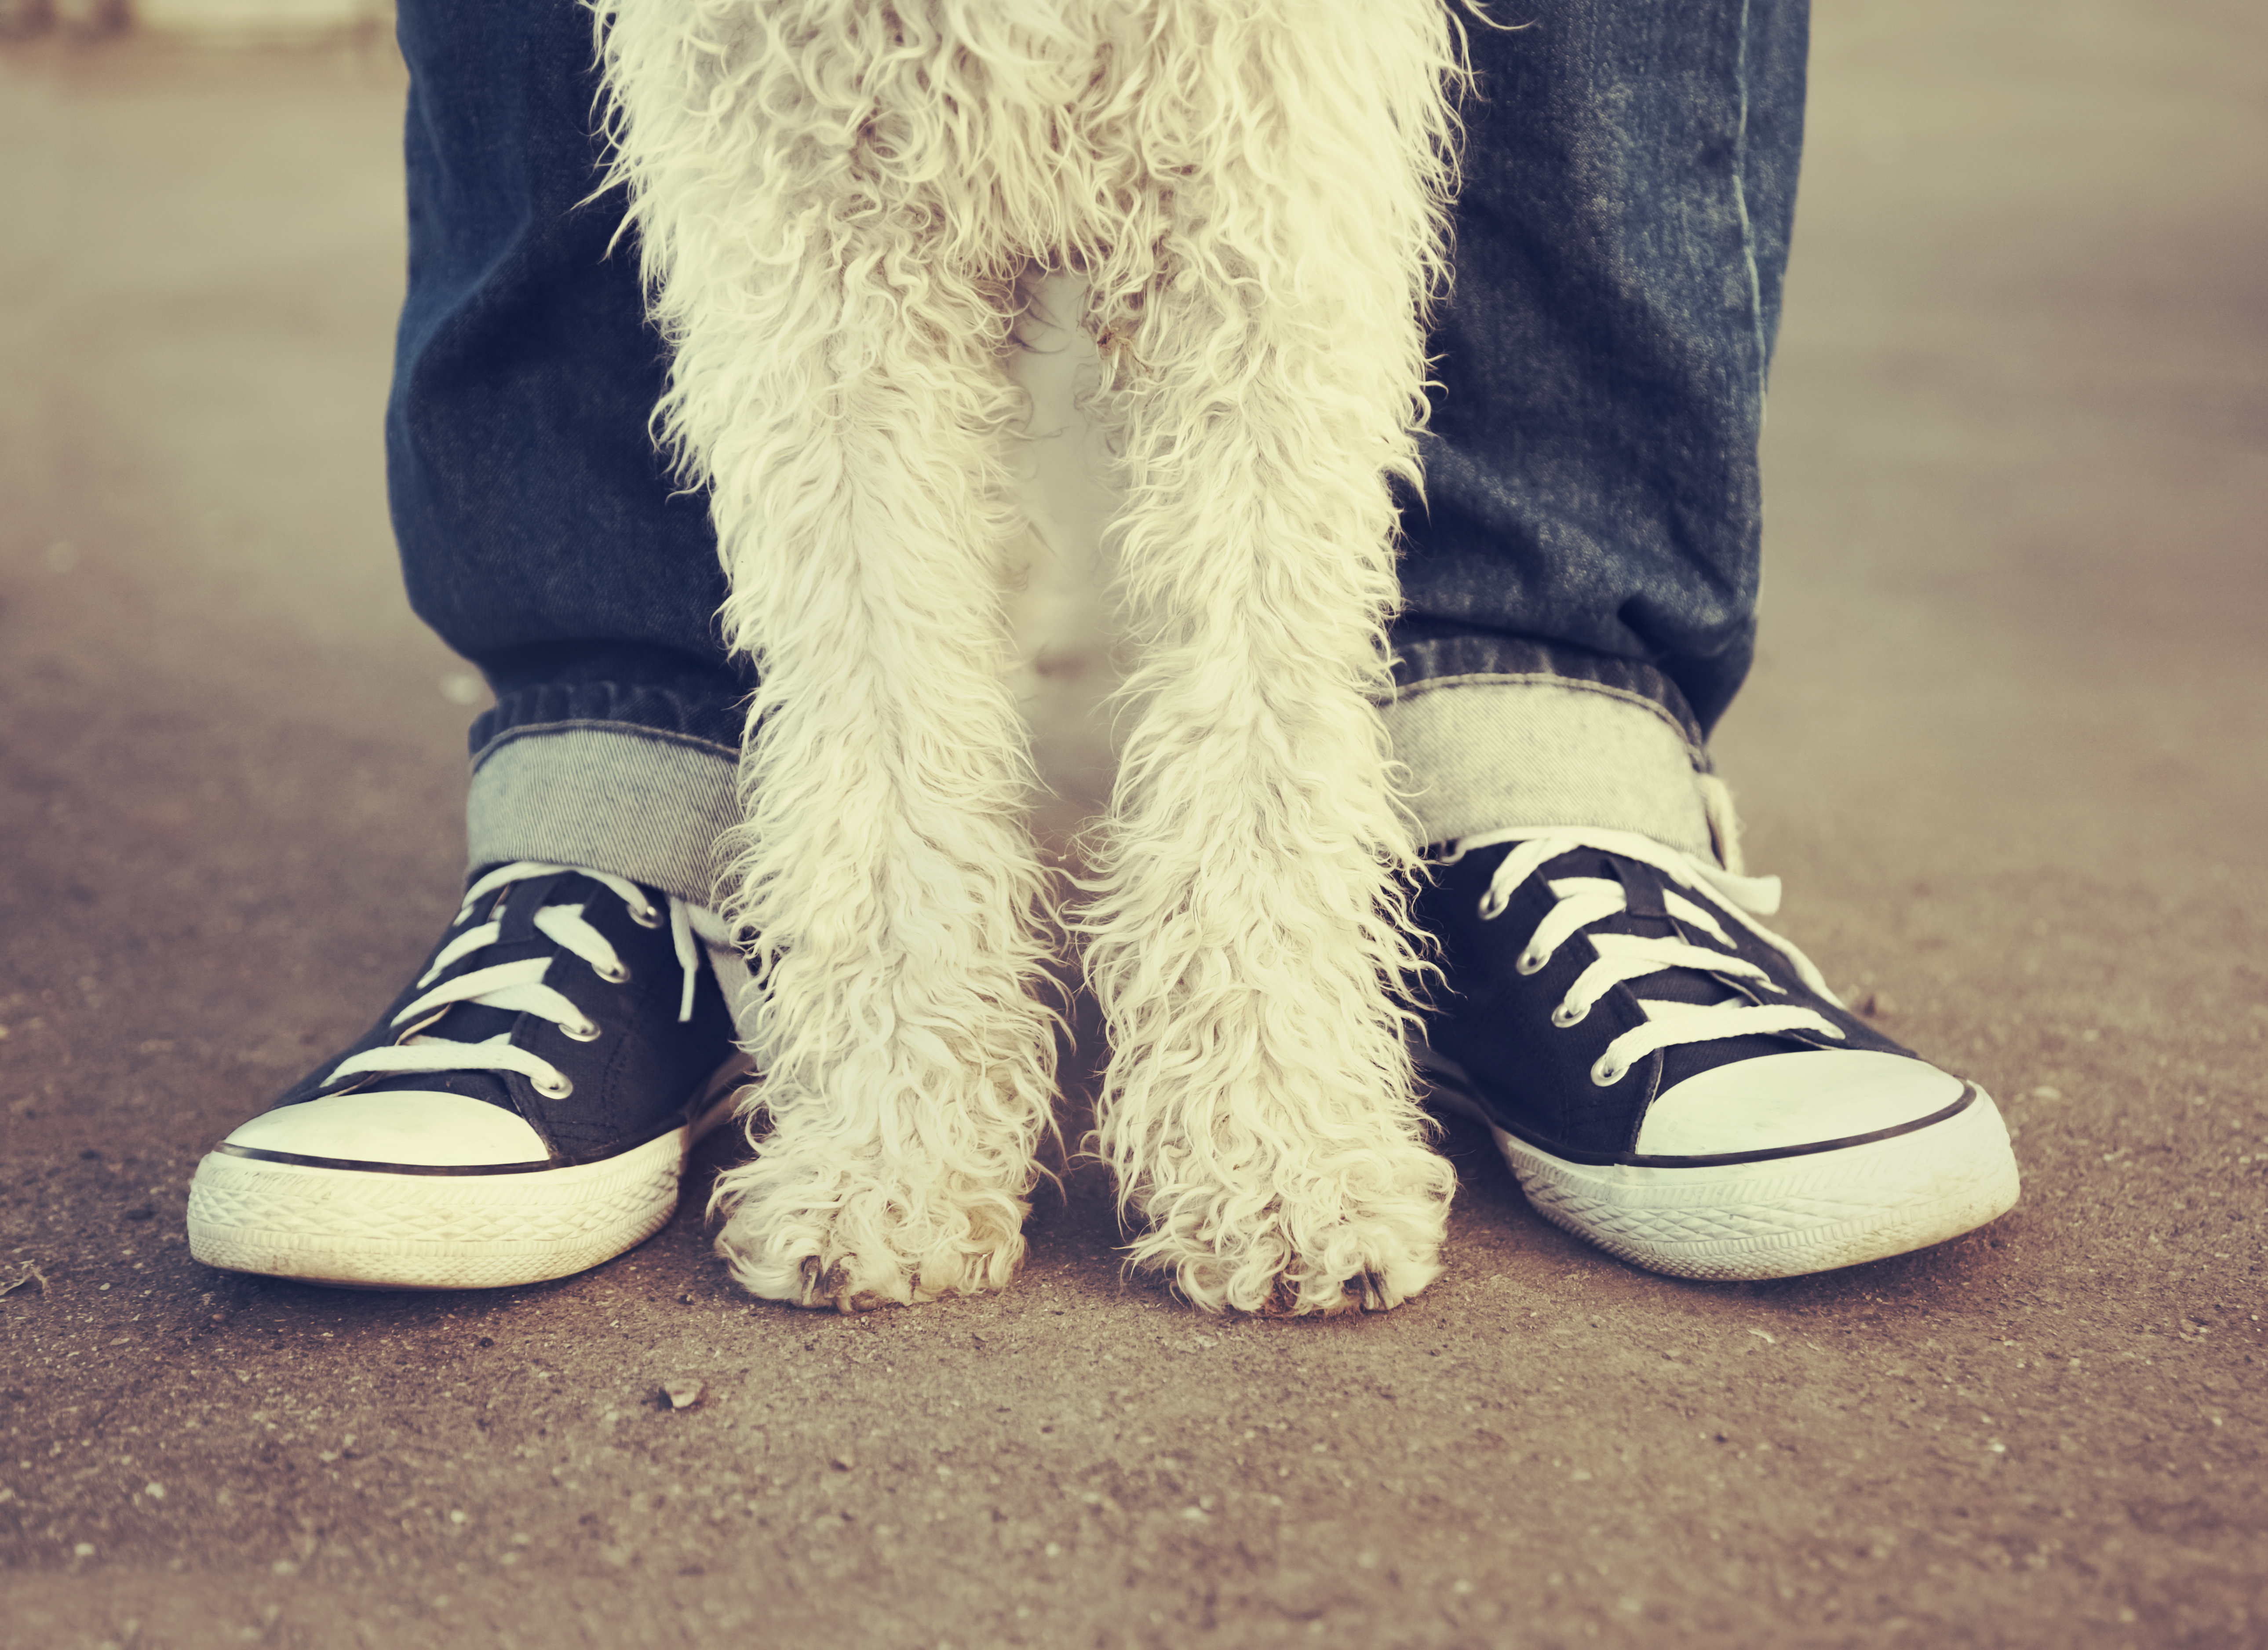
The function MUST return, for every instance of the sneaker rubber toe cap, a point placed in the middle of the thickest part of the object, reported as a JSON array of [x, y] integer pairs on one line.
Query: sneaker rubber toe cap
[[410, 1128], [1783, 1102]]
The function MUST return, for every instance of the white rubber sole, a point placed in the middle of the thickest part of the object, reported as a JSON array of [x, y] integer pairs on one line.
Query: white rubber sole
[[368, 1229], [1783, 1216]]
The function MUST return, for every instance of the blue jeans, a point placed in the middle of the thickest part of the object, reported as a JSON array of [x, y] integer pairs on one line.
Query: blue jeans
[[1580, 583]]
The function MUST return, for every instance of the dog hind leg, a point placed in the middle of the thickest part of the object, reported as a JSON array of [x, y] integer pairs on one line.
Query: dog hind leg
[[1250, 939], [837, 386]]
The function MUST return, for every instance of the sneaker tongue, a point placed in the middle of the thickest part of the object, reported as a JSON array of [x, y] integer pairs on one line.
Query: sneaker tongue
[[475, 1022], [1643, 899], [470, 1022], [515, 922], [1647, 912]]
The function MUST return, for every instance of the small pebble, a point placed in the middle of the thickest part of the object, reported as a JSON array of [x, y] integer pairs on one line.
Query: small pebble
[[682, 1395]]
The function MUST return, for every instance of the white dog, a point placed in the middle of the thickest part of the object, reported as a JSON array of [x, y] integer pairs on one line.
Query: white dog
[[834, 199]]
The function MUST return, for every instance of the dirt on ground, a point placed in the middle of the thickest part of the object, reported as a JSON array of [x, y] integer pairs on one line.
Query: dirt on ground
[[2005, 741]]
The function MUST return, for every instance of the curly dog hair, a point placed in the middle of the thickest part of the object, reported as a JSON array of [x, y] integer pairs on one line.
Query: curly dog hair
[[832, 200]]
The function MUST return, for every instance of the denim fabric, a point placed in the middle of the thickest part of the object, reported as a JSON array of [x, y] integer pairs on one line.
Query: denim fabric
[[1590, 518], [1621, 236], [540, 532]]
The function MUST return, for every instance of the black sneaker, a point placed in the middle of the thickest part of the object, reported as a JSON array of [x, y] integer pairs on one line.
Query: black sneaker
[[1677, 1084], [522, 1112]]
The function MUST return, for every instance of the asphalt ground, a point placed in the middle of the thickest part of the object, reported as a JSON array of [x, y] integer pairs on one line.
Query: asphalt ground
[[2004, 740]]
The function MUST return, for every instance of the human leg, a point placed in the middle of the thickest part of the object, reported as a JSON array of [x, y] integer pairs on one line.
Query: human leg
[[541, 534], [1581, 585], [541, 537]]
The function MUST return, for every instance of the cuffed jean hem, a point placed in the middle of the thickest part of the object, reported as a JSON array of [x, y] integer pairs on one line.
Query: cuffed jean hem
[[1429, 654], [1577, 739], [604, 796], [635, 688]]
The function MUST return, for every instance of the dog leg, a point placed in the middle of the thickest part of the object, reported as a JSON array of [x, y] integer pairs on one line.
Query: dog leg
[[835, 384], [1251, 942]]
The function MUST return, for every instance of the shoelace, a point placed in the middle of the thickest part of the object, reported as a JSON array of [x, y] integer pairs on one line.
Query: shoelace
[[519, 987], [1583, 901]]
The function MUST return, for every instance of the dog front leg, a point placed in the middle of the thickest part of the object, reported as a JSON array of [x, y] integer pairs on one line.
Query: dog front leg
[[1250, 943], [884, 864], [835, 384]]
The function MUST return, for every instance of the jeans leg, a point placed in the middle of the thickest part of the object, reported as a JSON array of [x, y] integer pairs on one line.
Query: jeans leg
[[540, 533], [1592, 510], [1591, 518]]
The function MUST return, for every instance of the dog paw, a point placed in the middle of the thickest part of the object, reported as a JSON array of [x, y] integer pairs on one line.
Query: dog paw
[[1307, 1239], [854, 1247]]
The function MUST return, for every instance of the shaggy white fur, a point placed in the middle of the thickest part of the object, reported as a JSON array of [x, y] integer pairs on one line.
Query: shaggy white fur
[[833, 199]]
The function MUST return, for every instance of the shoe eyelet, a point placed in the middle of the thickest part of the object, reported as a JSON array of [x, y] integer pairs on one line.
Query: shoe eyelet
[[587, 1032], [1529, 963], [1606, 1076], [615, 976], [1563, 1016], [556, 1086], [647, 917]]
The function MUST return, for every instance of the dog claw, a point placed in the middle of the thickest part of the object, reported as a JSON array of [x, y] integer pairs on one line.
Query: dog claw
[[1283, 1301], [838, 1287]]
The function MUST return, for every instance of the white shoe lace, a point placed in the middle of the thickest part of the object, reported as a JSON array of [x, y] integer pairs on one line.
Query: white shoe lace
[[519, 987], [1583, 901]]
